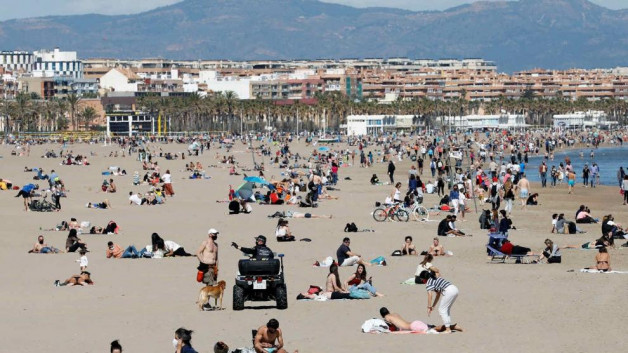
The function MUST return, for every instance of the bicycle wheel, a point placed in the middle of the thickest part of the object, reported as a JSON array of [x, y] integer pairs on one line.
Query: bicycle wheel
[[402, 215], [421, 213], [380, 214]]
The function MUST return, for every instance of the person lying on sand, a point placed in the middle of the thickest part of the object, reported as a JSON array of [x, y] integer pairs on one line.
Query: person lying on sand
[[77, 280], [41, 247]]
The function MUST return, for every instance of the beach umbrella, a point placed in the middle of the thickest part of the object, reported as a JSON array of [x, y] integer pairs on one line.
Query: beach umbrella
[[256, 180], [323, 148], [245, 191]]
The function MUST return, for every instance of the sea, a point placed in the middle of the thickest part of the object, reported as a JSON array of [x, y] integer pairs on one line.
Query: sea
[[608, 159]]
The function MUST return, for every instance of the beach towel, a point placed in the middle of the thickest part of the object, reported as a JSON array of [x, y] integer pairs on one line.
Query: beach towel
[[379, 261], [359, 294], [410, 281], [590, 270], [375, 326]]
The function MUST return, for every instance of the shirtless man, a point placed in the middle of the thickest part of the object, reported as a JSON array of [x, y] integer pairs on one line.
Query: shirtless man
[[436, 249], [41, 247], [266, 336], [524, 190], [207, 255]]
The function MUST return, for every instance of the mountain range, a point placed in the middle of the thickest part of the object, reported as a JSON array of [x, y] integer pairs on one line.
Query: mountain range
[[517, 35]]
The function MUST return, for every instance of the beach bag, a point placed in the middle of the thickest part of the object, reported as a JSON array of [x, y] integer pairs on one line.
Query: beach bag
[[375, 325], [572, 228], [314, 289], [199, 276], [359, 294], [351, 227], [396, 253]]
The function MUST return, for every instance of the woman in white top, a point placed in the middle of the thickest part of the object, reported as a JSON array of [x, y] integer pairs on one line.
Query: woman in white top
[[396, 194], [283, 232]]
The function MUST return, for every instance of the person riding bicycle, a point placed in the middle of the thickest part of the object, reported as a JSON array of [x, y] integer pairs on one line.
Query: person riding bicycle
[[259, 251]]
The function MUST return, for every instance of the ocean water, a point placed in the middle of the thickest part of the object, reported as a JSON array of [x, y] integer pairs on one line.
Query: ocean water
[[609, 159]]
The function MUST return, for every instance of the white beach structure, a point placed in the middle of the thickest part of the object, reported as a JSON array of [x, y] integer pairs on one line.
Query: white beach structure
[[588, 119], [376, 124], [501, 121]]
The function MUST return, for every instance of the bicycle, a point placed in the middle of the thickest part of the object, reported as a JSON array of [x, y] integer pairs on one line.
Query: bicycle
[[42, 205], [419, 212], [393, 212]]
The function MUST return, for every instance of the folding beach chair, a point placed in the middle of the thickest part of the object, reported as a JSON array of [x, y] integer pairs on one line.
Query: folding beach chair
[[499, 257]]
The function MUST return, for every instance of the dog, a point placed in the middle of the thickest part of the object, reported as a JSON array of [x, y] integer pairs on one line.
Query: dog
[[215, 292]]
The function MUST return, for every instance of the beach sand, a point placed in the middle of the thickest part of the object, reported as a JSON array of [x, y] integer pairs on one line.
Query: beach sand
[[520, 308]]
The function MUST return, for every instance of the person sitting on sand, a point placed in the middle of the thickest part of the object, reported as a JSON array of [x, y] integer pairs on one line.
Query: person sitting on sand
[[602, 260], [436, 249], [333, 286], [446, 227], [425, 265], [73, 243], [551, 252], [283, 232], [115, 251], [375, 180], [112, 186], [269, 338], [408, 248], [533, 200], [358, 280], [346, 257], [583, 215], [41, 247], [77, 280], [397, 323], [100, 205]]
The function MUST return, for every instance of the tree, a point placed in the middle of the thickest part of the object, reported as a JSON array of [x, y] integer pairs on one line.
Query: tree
[[73, 100], [87, 116]]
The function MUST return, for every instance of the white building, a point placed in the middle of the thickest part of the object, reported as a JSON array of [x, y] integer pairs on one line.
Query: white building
[[501, 121], [57, 63], [377, 124], [591, 118], [216, 83], [120, 80], [16, 60]]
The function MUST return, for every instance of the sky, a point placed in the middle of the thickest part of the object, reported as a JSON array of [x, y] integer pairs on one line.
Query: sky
[[34, 8]]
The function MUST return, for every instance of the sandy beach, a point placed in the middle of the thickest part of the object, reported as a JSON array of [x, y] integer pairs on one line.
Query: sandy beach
[[520, 308]]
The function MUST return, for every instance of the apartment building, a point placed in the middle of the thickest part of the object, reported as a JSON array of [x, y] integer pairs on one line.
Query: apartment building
[[16, 61], [56, 63]]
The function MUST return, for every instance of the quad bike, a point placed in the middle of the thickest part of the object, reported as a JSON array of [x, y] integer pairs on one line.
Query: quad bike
[[260, 280]]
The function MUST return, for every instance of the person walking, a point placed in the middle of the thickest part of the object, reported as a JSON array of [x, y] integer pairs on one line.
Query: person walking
[[391, 171], [438, 287], [624, 188], [543, 173]]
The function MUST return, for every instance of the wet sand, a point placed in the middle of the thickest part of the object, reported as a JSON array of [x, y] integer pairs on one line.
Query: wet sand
[[521, 308]]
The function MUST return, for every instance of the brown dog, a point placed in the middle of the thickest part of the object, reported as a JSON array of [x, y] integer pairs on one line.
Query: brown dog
[[215, 292]]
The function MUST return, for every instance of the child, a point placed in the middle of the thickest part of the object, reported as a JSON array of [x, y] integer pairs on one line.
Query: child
[[83, 260]]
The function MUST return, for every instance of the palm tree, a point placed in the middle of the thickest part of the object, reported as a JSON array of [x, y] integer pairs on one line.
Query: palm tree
[[73, 100], [230, 98], [87, 116]]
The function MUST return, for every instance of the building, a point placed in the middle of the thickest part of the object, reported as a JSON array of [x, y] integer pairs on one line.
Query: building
[[43, 87], [129, 123], [57, 63], [579, 120], [16, 60], [501, 121], [378, 124], [120, 80]]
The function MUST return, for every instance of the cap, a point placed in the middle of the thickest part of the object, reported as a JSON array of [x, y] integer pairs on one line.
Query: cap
[[212, 231]]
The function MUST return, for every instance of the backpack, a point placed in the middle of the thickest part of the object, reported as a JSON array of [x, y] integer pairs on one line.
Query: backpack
[[351, 227], [571, 226]]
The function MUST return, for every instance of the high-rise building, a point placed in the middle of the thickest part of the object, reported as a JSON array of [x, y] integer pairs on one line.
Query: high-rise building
[[16, 60], [57, 63]]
